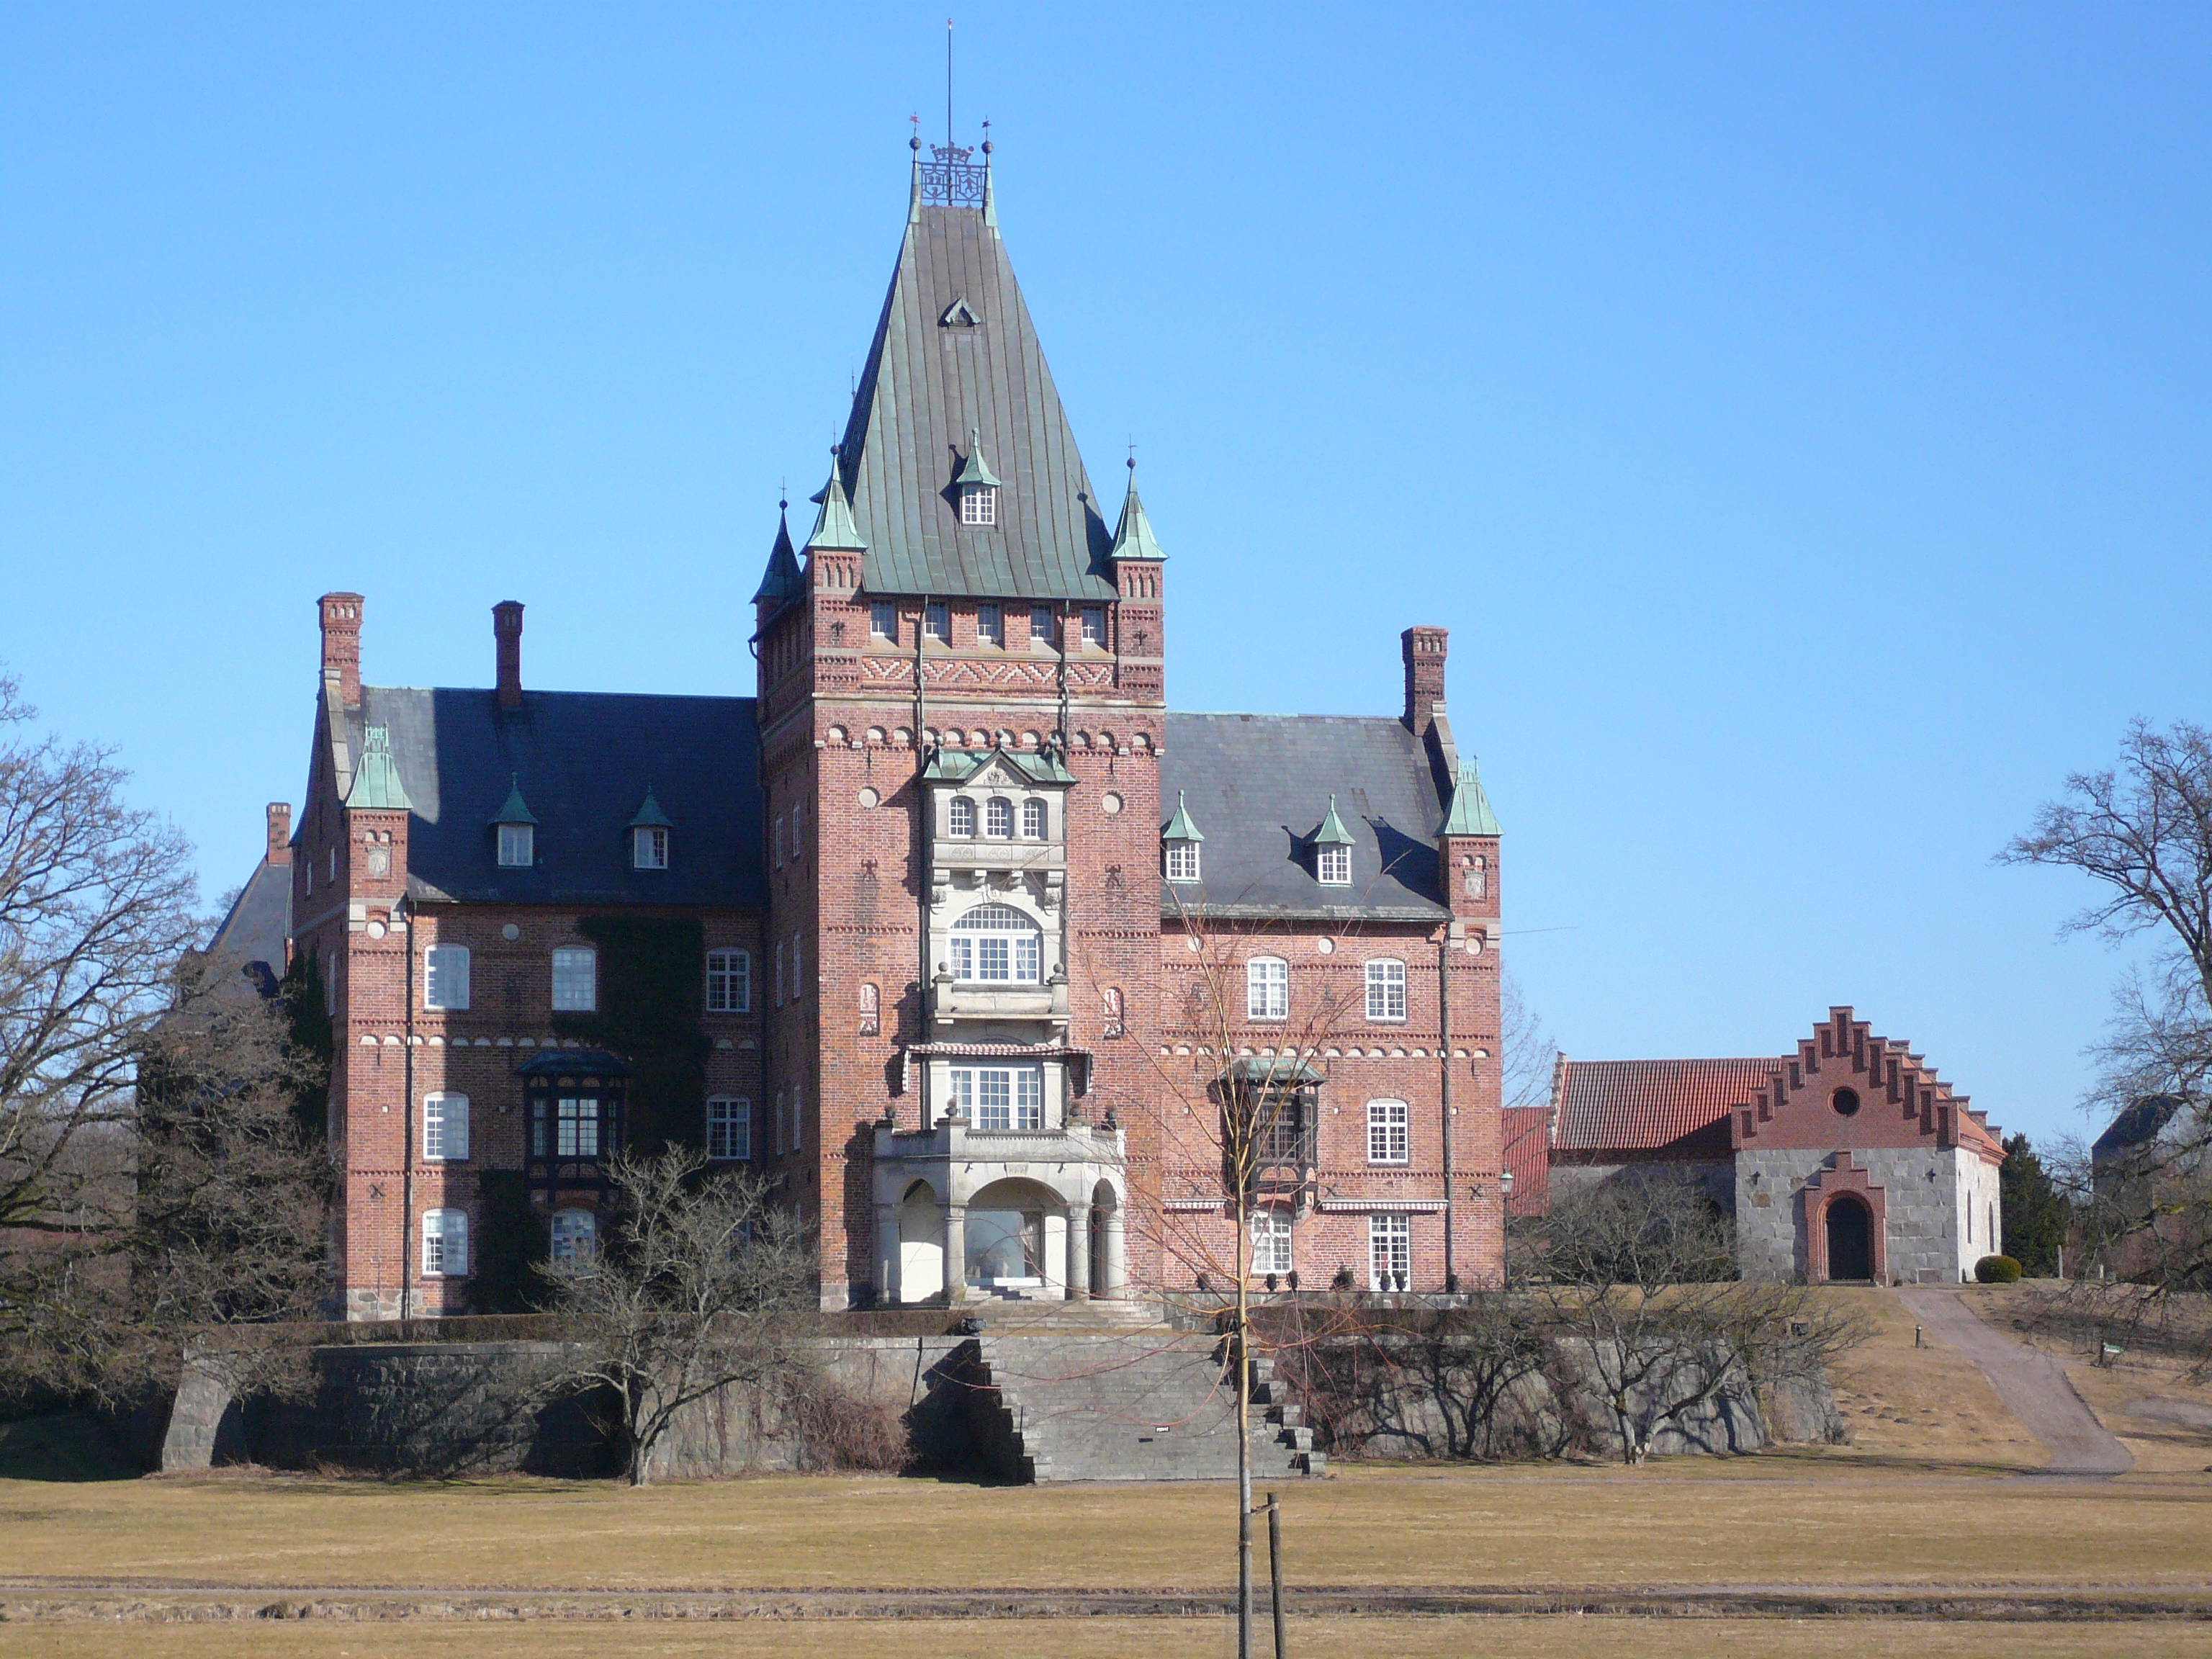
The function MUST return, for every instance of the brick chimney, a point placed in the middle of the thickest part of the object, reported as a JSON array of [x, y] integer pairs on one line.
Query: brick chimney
[[280, 832], [341, 615], [507, 631], [1424, 649]]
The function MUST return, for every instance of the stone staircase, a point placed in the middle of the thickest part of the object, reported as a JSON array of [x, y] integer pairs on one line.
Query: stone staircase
[[1101, 1392]]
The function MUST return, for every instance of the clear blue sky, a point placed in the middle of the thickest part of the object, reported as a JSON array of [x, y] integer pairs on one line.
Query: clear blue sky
[[1798, 415]]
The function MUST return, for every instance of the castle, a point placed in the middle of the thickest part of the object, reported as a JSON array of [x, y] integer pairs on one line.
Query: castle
[[954, 930]]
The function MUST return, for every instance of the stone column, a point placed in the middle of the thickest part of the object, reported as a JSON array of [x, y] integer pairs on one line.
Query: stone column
[[956, 1253], [1117, 1277], [887, 1254], [1079, 1251]]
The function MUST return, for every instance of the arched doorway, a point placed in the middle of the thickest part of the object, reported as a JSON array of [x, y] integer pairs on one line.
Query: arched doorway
[[1850, 1237], [922, 1244], [1006, 1243]]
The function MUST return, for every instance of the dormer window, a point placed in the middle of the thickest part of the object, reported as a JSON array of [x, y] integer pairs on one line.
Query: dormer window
[[1331, 849], [515, 828], [1179, 837], [649, 835], [978, 487]]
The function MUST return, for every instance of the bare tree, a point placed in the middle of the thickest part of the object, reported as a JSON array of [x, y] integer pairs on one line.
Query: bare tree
[[1642, 1271], [2142, 832], [702, 1283], [157, 1186], [1526, 1051]]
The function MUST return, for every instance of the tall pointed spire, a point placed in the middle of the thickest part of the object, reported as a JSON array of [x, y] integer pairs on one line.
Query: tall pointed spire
[[1134, 539], [834, 531], [782, 580]]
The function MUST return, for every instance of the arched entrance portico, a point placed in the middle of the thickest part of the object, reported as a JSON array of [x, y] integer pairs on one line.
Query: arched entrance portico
[[921, 1244], [1012, 1225]]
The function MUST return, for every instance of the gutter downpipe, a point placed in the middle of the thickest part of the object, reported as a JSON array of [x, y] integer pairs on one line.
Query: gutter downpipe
[[1444, 1066], [407, 1140]]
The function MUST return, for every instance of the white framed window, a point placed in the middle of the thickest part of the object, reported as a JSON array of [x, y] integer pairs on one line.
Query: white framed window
[[1271, 1241], [797, 967], [1386, 1132], [445, 1128], [1094, 625], [990, 624], [648, 847], [1033, 820], [518, 845], [729, 981], [575, 1237], [979, 504], [996, 944], [1267, 988], [1000, 1097], [331, 983], [776, 837], [960, 818], [1332, 866], [446, 976], [798, 1115], [779, 973], [1386, 990], [575, 980], [1389, 1252], [576, 1126], [1182, 860], [998, 818], [444, 1243], [730, 1127], [1041, 632], [882, 619], [937, 620], [798, 830]]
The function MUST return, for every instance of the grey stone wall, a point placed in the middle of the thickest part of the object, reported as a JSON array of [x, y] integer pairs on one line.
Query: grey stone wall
[[1924, 1194]]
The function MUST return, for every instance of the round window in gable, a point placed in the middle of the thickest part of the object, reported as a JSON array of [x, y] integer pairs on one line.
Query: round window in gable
[[1846, 1102]]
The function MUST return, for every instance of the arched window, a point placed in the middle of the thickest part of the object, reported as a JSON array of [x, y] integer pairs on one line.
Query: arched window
[[444, 1243], [575, 1237], [575, 980], [1386, 990], [960, 818], [998, 818], [1271, 1241], [1033, 820], [445, 1128], [446, 976], [997, 944], [1267, 988]]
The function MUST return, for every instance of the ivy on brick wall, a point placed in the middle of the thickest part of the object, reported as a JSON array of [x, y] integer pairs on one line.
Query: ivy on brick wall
[[652, 989], [309, 1031], [511, 1240]]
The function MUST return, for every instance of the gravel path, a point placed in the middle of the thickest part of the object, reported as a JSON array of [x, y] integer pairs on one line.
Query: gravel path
[[2030, 1383]]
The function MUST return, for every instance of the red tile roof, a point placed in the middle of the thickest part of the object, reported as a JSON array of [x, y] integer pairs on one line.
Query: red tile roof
[[1528, 1159], [1641, 1105]]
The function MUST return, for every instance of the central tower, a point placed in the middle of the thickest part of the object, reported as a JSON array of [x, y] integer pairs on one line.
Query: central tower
[[961, 708]]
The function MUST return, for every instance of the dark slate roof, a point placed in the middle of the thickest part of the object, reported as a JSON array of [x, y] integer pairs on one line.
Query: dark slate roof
[[1644, 1105], [258, 925], [928, 381], [1257, 787], [2138, 1125], [584, 761]]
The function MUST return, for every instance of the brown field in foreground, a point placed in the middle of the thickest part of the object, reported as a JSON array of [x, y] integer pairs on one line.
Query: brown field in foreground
[[1939, 1488], [1132, 1639]]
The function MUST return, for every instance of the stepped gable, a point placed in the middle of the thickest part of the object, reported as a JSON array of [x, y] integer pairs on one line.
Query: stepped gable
[[583, 761], [956, 371], [1847, 1088], [1608, 1108]]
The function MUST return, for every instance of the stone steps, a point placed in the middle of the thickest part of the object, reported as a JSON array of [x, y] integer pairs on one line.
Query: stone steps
[[1085, 1400]]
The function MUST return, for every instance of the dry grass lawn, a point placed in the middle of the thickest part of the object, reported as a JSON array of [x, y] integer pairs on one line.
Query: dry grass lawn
[[1937, 1489], [1129, 1638]]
